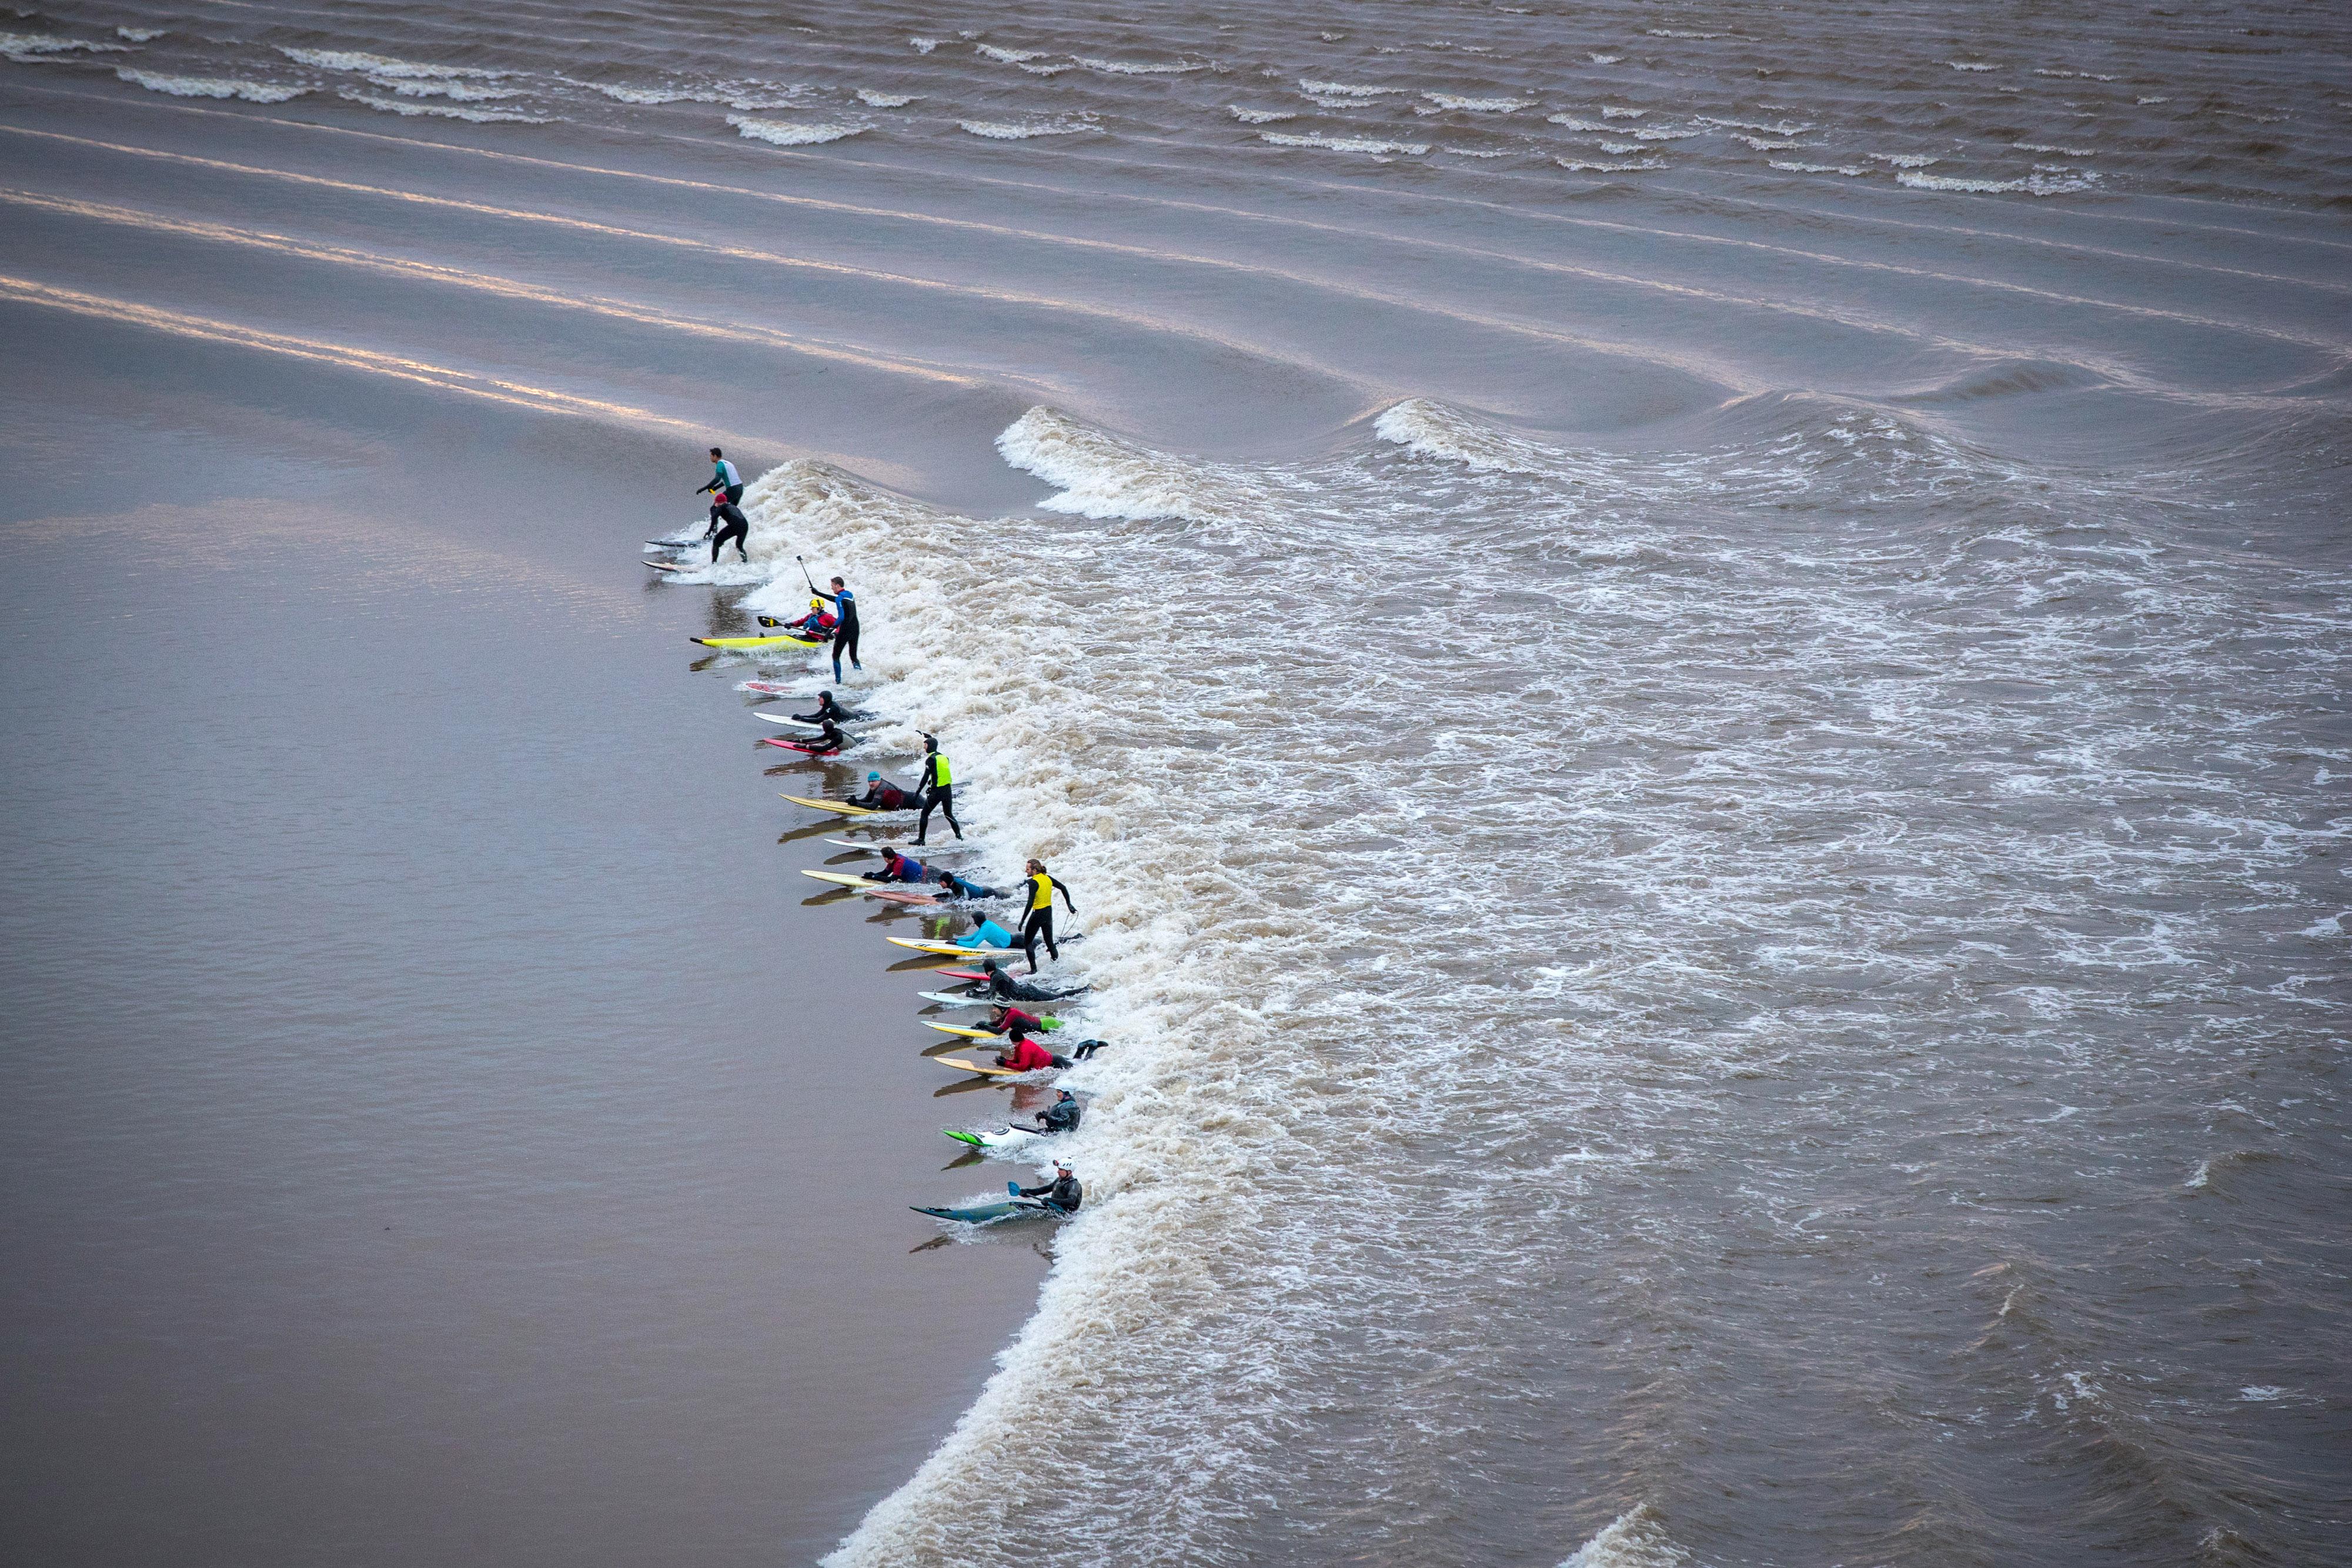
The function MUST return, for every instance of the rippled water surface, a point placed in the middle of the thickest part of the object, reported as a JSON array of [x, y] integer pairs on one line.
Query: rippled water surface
[[1688, 664]]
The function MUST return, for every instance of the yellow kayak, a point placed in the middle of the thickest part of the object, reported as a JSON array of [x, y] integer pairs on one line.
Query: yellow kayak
[[755, 642]]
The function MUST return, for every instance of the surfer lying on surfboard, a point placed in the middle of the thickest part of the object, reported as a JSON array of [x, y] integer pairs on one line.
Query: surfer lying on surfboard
[[881, 795], [954, 886], [826, 708], [897, 867], [1004, 987]]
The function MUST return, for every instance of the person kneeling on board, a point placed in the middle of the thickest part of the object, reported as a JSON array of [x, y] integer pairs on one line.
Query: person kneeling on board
[[954, 886], [1004, 987], [1062, 1193], [897, 867], [1061, 1116], [1025, 1055], [881, 795], [738, 529]]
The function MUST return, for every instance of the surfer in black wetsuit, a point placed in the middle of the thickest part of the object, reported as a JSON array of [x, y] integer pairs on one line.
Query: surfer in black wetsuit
[[738, 529], [956, 887], [881, 795], [1062, 1116], [828, 710], [1039, 922], [1003, 988], [845, 602], [938, 784], [1062, 1193], [828, 741]]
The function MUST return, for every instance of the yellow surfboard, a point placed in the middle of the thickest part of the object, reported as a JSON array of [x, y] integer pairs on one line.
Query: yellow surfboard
[[975, 1067], [846, 879], [950, 949], [847, 808], [951, 1028]]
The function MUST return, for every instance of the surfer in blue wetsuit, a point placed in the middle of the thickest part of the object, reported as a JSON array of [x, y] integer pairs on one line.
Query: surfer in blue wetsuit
[[1062, 1194], [991, 934], [845, 603], [954, 886]]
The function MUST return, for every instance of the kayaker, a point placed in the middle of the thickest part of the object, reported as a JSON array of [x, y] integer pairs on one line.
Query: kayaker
[[1062, 1193], [881, 795], [1040, 919], [845, 603], [897, 867], [738, 529], [1062, 1116], [1004, 987], [954, 886], [724, 481], [818, 622], [1025, 1055], [938, 782]]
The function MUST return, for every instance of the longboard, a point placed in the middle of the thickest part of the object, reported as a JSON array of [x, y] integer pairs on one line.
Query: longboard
[[950, 949], [950, 999], [967, 1033], [845, 878], [874, 848], [976, 1067], [847, 808], [784, 744], [667, 566], [754, 641], [899, 895]]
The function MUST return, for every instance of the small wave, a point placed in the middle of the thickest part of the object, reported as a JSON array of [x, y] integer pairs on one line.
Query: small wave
[[1661, 133], [1477, 151], [1427, 428], [646, 94], [1006, 131], [1609, 111], [1680, 32], [1971, 66], [1761, 145], [1261, 116], [1052, 71], [382, 64], [1343, 144], [1345, 89], [17, 45], [2144, 103], [1573, 123], [478, 116], [2013, 378], [2065, 151], [1905, 160], [1140, 68], [783, 133], [210, 87], [1479, 105], [1609, 168], [1605, 59], [1846, 169], [873, 100], [1635, 1540], [142, 35], [1100, 475], [2034, 185], [461, 92], [1007, 56], [1783, 129], [922, 46]]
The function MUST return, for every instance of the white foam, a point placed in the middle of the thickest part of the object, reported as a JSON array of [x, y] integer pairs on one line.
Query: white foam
[[1007, 130], [1605, 59], [476, 116], [1430, 429], [2033, 186], [1575, 124], [1905, 160], [382, 64], [2067, 151], [1051, 71], [922, 46], [142, 35], [1260, 116], [457, 91], [1345, 89], [1609, 112], [2261, 1393], [1785, 128], [650, 94], [1971, 66], [1140, 68], [867, 96], [1343, 144], [2144, 103], [785, 133], [1009, 57], [1847, 169], [1635, 1540], [1680, 32], [1762, 145], [210, 87], [1479, 105], [17, 45], [1582, 165]]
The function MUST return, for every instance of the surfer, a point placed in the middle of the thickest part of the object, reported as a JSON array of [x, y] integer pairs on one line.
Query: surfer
[[826, 708], [1062, 1193], [1062, 1116], [938, 784], [1086, 1048], [897, 867], [881, 795], [724, 481], [1040, 919], [1025, 1055], [738, 529], [1004, 987], [828, 741], [1012, 1020], [845, 602], [956, 887], [991, 934]]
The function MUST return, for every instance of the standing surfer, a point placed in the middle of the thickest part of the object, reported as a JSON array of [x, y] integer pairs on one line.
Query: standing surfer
[[725, 483], [1040, 920], [845, 603], [938, 782], [738, 529]]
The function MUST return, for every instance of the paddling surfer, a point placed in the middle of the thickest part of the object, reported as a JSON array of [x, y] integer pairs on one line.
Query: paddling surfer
[[1003, 988], [956, 887], [938, 784], [881, 795]]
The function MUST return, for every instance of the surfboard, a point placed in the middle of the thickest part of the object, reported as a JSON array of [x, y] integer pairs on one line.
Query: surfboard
[[847, 808], [950, 949], [977, 1066], [667, 566], [845, 878], [951, 999], [873, 846], [967, 1033], [782, 745], [900, 895], [754, 641]]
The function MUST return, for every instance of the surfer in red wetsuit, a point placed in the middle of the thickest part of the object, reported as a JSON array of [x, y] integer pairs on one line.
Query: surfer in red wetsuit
[[1025, 1055]]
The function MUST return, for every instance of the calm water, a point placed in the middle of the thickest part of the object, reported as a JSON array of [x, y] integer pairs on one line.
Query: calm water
[[1688, 664]]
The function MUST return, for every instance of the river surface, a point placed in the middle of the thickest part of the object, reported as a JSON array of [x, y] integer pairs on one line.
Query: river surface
[[1688, 664]]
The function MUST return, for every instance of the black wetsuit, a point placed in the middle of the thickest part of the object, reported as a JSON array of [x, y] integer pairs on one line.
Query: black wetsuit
[[844, 636], [1061, 1116], [1003, 986], [1040, 921], [738, 529], [936, 796], [1086, 1048], [1062, 1193]]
